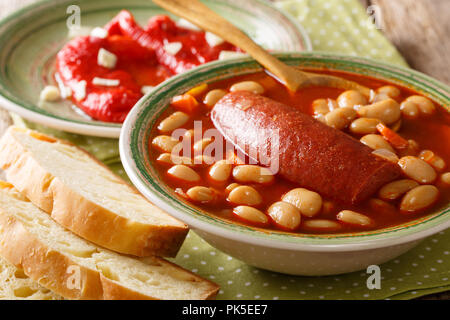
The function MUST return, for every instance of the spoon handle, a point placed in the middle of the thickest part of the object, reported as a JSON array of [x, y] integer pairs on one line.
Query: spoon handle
[[199, 14]]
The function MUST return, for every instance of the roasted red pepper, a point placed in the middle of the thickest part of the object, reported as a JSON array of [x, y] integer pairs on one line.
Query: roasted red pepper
[[77, 61], [142, 60]]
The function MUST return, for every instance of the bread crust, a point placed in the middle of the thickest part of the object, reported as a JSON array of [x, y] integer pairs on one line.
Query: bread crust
[[50, 268], [15, 285], [208, 295], [42, 264], [114, 292], [80, 215]]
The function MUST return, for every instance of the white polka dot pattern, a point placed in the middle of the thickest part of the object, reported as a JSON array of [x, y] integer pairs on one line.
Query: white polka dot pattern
[[421, 271], [345, 29]]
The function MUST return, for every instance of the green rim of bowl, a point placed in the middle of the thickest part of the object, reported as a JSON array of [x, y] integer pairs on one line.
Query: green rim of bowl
[[26, 22], [134, 150]]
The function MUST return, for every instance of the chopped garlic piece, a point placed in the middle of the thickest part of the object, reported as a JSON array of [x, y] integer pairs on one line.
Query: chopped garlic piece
[[105, 82], [146, 89], [213, 40], [372, 95], [64, 91], [106, 59], [187, 25], [80, 90], [50, 93], [78, 32], [225, 54], [67, 92], [386, 154], [172, 48], [99, 33]]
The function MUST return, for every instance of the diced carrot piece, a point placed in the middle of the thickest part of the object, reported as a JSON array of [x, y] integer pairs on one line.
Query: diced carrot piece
[[392, 137], [5, 185], [198, 90], [185, 103], [233, 158], [42, 137]]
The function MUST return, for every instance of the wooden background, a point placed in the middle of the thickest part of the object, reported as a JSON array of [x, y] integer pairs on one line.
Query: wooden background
[[420, 29]]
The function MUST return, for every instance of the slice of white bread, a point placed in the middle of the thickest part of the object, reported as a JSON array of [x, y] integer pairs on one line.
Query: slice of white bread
[[74, 268], [87, 198], [15, 285]]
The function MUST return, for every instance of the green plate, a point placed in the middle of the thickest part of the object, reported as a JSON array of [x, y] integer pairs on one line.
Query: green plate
[[134, 152], [30, 38]]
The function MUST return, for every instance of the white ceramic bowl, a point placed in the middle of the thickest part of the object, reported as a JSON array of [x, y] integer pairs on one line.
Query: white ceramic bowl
[[273, 250]]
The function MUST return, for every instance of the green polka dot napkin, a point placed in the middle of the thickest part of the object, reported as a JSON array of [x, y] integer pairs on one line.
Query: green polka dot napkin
[[340, 26]]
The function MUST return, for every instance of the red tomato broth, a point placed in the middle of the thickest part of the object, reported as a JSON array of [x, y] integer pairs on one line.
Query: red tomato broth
[[428, 131]]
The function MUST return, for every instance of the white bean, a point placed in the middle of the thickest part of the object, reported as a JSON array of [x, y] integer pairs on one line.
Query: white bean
[[323, 106], [396, 189], [320, 106], [172, 159], [164, 143], [285, 215], [189, 134], [375, 141], [174, 121], [419, 198], [390, 91], [165, 158], [232, 186], [322, 225], [184, 173], [388, 111], [379, 97], [409, 109], [202, 144], [424, 104], [220, 171], [50, 93], [213, 96], [201, 194], [417, 169], [252, 173], [251, 86], [354, 218], [245, 195], [308, 202], [340, 118], [364, 125], [351, 98], [445, 178], [433, 159], [251, 214], [203, 160]]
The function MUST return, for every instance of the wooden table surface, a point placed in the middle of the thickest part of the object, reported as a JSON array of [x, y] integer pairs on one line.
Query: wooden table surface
[[420, 29]]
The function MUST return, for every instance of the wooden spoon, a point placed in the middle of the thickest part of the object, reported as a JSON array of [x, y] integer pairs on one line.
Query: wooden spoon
[[199, 14]]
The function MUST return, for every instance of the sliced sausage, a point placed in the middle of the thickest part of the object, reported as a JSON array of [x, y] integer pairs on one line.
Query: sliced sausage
[[312, 154]]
